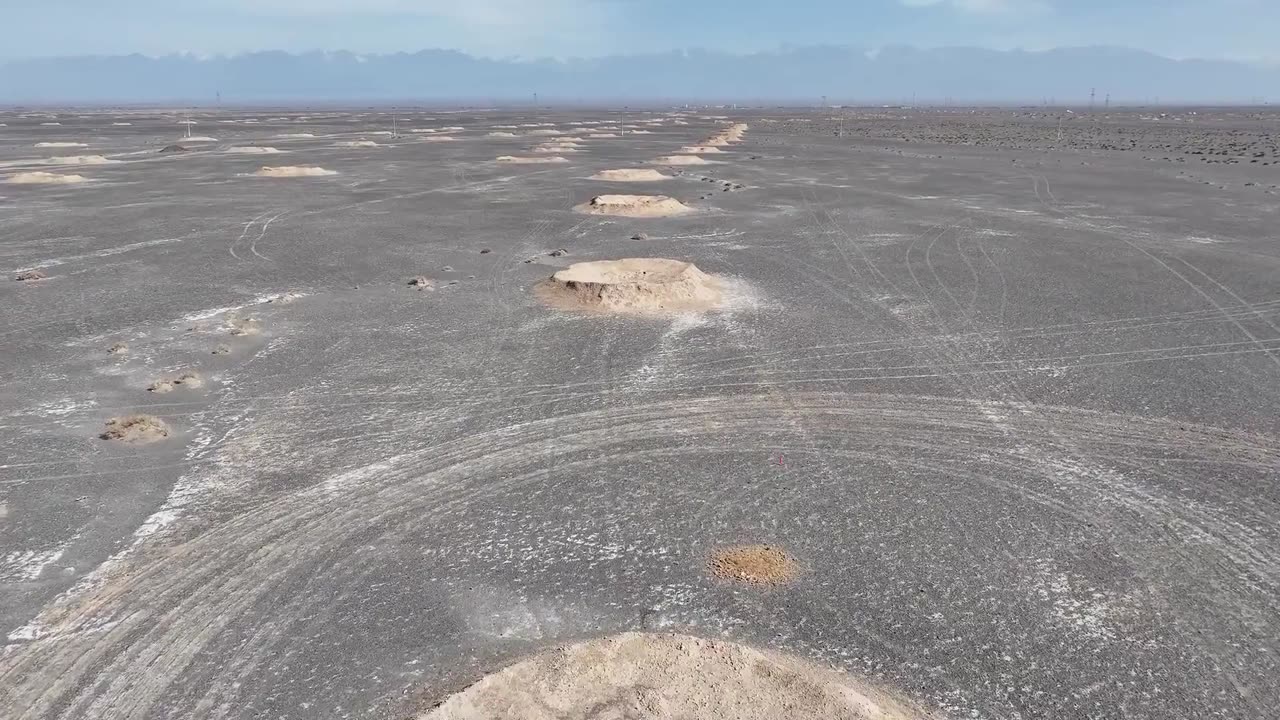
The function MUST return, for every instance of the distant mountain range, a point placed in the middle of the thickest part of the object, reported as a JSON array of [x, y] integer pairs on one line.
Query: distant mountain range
[[801, 75]]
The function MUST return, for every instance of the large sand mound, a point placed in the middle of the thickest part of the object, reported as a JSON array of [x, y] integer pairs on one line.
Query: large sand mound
[[530, 160], [253, 150], [286, 171], [630, 175], [632, 285], [680, 160], [60, 144], [44, 178], [642, 676], [634, 206], [135, 429], [78, 160]]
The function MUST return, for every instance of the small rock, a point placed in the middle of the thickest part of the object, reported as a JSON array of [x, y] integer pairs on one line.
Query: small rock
[[26, 275], [485, 251], [447, 268], [221, 350], [420, 282], [640, 236], [558, 253], [118, 349]]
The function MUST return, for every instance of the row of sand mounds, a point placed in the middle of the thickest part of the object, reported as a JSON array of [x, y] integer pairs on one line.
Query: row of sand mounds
[[135, 430], [633, 206], [630, 175], [631, 285], [649, 676], [44, 178], [290, 171]]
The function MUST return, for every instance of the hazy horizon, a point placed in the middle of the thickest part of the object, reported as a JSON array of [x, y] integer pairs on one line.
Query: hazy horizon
[[898, 74]]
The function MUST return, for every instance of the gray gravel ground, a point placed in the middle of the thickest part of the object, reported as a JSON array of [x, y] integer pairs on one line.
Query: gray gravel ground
[[1005, 382]]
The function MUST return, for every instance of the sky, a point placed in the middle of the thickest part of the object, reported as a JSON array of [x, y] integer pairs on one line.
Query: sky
[[1218, 29]]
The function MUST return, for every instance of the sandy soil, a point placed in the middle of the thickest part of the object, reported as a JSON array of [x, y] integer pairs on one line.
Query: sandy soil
[[753, 564], [640, 676]]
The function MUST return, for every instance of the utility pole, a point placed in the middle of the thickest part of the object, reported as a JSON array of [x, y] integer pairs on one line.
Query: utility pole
[[1093, 93], [1108, 101]]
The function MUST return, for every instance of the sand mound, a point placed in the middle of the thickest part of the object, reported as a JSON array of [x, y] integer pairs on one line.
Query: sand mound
[[441, 138], [680, 160], [602, 135], [189, 380], [555, 149], [642, 676], [753, 564], [61, 144], [693, 149], [253, 150], [634, 206], [501, 134], [633, 285], [284, 171], [530, 160], [452, 128], [121, 124], [169, 149], [423, 130], [199, 139], [135, 429], [630, 175], [357, 144], [78, 160], [544, 131], [291, 136], [45, 178]]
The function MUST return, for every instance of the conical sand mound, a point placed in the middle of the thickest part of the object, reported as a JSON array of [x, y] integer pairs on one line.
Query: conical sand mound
[[634, 206], [696, 149], [44, 178], [680, 160], [78, 160], [640, 676], [530, 160], [630, 175], [286, 171], [632, 285]]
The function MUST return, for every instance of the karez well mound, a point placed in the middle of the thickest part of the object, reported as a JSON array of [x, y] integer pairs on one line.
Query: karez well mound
[[633, 206], [642, 676], [632, 285]]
